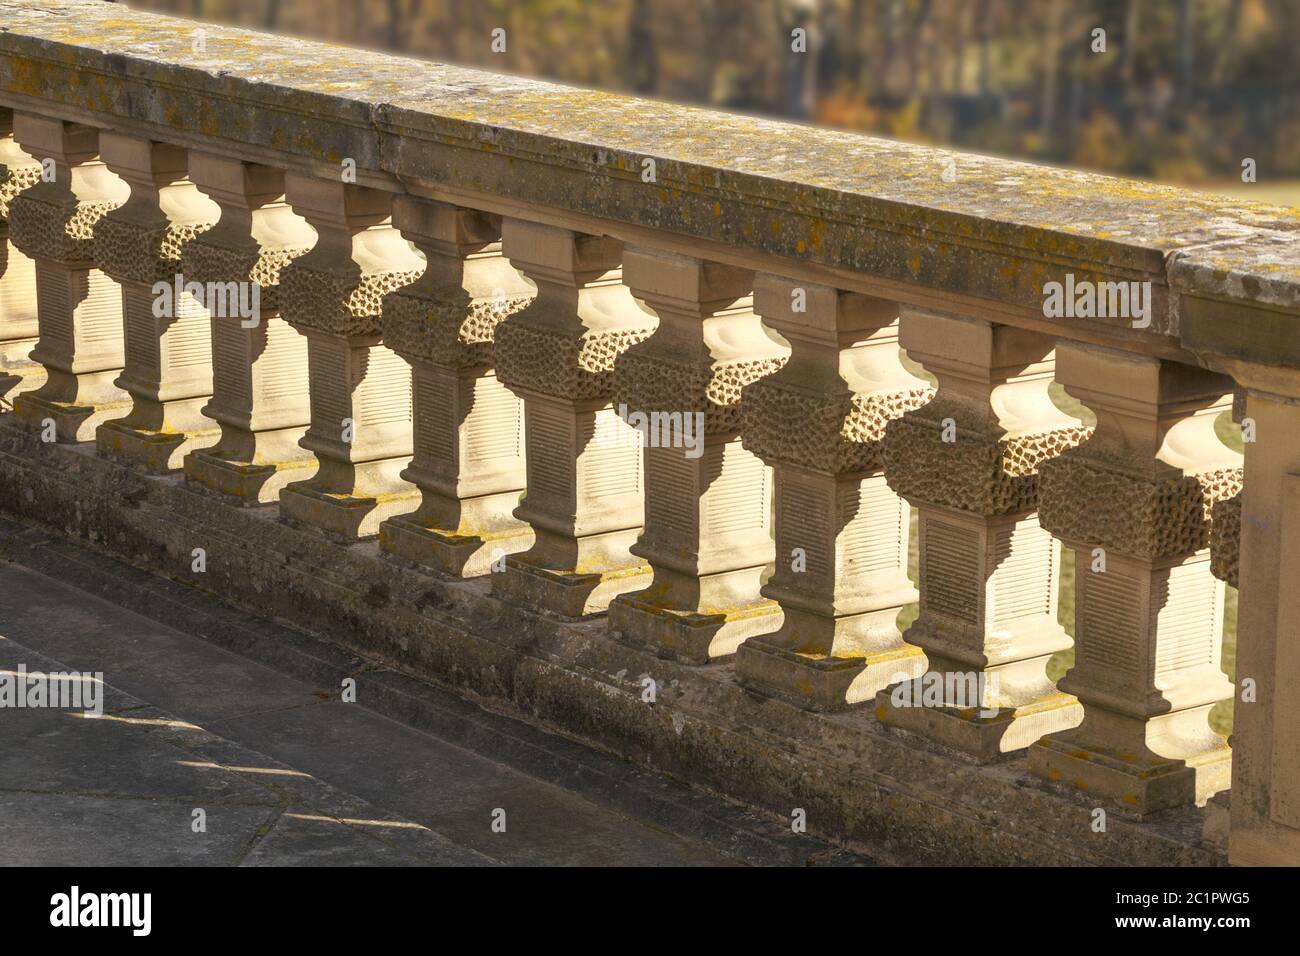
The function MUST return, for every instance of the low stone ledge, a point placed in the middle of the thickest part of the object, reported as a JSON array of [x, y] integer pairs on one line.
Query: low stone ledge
[[904, 799]]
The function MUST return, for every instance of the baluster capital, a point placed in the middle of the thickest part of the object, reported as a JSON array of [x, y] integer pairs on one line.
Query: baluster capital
[[55, 218], [565, 343], [828, 407], [1146, 483], [709, 343], [142, 240], [977, 446], [258, 233], [450, 315], [339, 286]]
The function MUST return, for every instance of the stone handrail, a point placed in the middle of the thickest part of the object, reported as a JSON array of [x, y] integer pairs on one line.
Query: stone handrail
[[585, 253], [873, 213]]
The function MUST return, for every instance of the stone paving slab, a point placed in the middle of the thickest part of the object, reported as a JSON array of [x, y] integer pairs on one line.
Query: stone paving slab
[[464, 733], [291, 775], [121, 789]]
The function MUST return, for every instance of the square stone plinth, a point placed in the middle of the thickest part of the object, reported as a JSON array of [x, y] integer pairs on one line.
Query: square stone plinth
[[72, 422], [463, 555], [822, 682], [19, 378], [984, 734], [159, 452], [689, 636], [1138, 784], [245, 483], [567, 593], [345, 517]]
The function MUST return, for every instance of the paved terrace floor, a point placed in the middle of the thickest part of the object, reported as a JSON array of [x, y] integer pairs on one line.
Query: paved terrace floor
[[287, 773]]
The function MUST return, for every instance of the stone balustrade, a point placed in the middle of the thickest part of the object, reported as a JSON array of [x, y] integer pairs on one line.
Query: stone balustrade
[[624, 389]]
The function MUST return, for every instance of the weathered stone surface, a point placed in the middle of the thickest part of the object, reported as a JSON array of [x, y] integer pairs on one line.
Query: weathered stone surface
[[454, 329], [1262, 268], [1225, 540], [1083, 500], [981, 471]]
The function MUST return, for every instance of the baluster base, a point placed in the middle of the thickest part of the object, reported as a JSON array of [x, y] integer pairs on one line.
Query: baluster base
[[450, 551], [344, 516], [1137, 784], [774, 667], [244, 482], [156, 450], [692, 637], [73, 421], [25, 378], [17, 372], [983, 733], [828, 659], [567, 593]]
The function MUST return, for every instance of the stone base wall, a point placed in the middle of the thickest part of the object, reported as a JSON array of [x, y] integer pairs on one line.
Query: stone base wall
[[902, 799]]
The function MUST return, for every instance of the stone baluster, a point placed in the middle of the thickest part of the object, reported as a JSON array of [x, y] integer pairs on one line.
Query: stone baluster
[[968, 461], [18, 324], [841, 531], [360, 388], [1134, 503], [259, 374], [584, 498], [469, 428], [707, 531], [168, 343], [79, 308]]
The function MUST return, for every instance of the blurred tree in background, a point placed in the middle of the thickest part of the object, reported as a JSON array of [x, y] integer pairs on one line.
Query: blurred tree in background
[[1184, 90]]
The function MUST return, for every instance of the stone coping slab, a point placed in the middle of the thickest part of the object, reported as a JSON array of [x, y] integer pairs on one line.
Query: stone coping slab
[[917, 216]]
